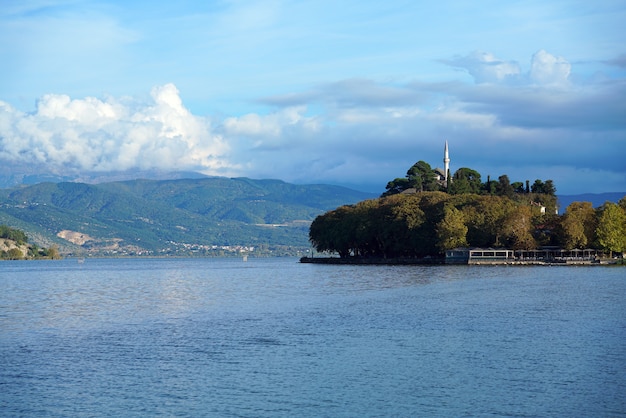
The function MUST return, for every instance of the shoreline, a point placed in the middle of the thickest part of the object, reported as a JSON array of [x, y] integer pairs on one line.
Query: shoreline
[[441, 261]]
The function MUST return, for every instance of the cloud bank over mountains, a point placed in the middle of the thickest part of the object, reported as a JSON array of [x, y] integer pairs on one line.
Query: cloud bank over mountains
[[65, 134], [539, 123]]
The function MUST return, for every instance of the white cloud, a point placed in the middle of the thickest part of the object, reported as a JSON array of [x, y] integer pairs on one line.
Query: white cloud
[[486, 68], [353, 131], [272, 130], [100, 135], [548, 69]]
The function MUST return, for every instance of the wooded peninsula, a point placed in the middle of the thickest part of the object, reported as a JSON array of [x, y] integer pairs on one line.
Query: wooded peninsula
[[419, 217], [14, 246]]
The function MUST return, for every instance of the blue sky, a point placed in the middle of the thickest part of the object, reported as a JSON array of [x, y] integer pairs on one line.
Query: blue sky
[[350, 92]]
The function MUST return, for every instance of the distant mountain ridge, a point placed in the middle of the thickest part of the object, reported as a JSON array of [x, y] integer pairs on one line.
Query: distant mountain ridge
[[17, 176], [156, 215], [596, 199]]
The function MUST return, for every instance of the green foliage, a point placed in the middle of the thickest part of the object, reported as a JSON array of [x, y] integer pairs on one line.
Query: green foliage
[[464, 181], [503, 187], [397, 185], [611, 231], [578, 226], [16, 235], [152, 215], [517, 229], [471, 213], [16, 238], [428, 223], [415, 225], [543, 188], [451, 230], [15, 254], [420, 177]]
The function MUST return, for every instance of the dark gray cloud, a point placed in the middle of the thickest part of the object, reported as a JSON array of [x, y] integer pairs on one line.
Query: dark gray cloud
[[619, 61], [351, 93]]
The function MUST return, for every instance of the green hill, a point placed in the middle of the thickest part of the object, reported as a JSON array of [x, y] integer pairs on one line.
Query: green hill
[[164, 216]]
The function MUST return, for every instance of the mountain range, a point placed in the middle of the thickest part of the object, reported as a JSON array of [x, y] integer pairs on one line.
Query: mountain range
[[185, 214], [596, 199], [207, 215]]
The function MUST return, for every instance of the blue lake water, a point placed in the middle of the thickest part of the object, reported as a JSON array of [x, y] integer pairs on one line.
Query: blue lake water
[[272, 337]]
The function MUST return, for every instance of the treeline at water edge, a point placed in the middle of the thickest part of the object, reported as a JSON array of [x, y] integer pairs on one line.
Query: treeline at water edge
[[426, 224], [14, 246]]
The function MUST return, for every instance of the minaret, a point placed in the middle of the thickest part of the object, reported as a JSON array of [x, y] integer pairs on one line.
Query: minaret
[[446, 164]]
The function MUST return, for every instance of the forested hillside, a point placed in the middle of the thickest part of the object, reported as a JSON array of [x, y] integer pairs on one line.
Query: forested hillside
[[148, 216]]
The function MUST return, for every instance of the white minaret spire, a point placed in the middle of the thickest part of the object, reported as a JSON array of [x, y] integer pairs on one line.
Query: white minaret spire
[[446, 163]]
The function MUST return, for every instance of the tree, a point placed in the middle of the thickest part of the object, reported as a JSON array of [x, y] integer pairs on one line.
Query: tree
[[517, 229], [396, 186], [465, 180], [422, 177], [573, 232], [484, 217], [451, 231], [53, 253], [329, 232], [490, 186], [16, 235], [518, 187], [396, 221], [543, 188], [611, 231], [15, 254], [578, 225], [503, 187], [549, 188]]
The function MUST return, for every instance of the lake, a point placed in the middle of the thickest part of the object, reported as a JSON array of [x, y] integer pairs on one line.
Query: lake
[[276, 338]]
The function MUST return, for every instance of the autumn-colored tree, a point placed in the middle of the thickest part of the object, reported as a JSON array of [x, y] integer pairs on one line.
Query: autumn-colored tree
[[53, 253], [15, 254], [484, 218], [578, 225], [451, 231], [517, 229], [611, 231]]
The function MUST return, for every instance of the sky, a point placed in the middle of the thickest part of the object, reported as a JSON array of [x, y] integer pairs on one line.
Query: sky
[[317, 91]]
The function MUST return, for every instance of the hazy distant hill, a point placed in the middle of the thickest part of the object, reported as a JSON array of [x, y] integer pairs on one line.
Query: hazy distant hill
[[595, 199], [158, 214], [12, 175]]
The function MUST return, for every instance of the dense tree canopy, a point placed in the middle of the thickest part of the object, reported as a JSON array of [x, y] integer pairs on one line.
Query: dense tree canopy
[[428, 223], [422, 177], [465, 180], [578, 226], [419, 216]]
